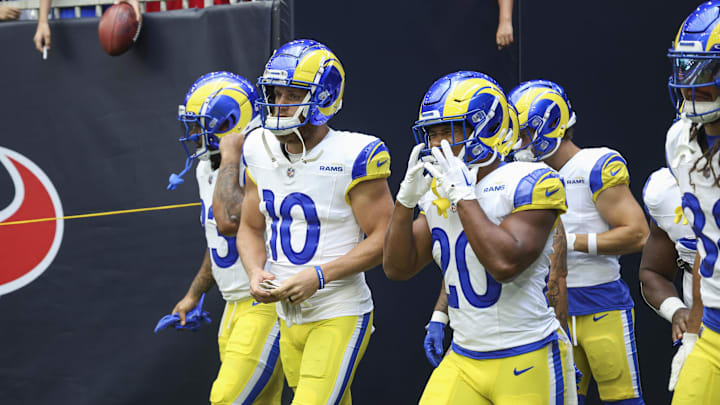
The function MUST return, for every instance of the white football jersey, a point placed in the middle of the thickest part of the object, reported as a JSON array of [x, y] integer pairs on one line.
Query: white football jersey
[[586, 175], [308, 213], [227, 268], [661, 195], [488, 316], [701, 204]]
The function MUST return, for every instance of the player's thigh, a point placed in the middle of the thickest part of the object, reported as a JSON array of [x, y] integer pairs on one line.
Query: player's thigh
[[292, 343], [333, 349], [537, 377], [449, 383], [226, 323], [699, 382], [581, 362], [608, 340], [251, 357]]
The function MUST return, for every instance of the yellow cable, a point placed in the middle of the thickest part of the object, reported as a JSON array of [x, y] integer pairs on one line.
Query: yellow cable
[[101, 214]]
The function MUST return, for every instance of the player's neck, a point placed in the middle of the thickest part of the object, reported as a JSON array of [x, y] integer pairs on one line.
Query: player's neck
[[565, 152], [312, 135], [485, 170], [712, 128]]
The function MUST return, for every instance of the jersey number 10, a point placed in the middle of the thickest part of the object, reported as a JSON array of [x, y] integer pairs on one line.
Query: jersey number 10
[[312, 233]]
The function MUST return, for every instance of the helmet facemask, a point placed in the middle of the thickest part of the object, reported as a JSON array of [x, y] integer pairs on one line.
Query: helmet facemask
[[694, 71]]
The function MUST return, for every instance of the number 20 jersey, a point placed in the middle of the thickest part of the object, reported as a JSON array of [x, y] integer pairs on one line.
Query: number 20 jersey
[[701, 206], [308, 213], [488, 317]]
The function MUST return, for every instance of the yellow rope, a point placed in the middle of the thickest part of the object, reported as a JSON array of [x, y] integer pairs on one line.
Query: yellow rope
[[101, 214]]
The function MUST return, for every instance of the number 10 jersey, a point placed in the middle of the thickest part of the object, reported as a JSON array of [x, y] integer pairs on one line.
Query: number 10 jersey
[[308, 213]]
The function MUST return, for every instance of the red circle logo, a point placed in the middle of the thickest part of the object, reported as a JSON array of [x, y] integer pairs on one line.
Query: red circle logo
[[27, 249]]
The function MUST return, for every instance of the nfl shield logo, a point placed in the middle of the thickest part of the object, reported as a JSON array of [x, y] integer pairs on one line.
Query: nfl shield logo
[[290, 172]]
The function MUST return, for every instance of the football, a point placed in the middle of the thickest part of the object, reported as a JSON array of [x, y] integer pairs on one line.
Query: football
[[118, 29]]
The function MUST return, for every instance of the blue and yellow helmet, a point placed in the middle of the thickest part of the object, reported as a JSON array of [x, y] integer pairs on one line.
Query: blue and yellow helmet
[[545, 112], [307, 65], [217, 104], [473, 100], [695, 57], [509, 139]]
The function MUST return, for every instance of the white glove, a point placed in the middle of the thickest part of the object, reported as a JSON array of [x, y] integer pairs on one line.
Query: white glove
[[453, 176], [688, 342], [414, 185]]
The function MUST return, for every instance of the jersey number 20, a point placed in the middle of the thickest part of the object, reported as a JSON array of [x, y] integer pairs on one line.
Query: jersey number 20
[[492, 293]]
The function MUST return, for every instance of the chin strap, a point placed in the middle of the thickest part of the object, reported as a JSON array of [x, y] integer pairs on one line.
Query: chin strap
[[176, 179]]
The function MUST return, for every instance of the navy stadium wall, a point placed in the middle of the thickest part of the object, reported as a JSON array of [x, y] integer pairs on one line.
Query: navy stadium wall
[[103, 131]]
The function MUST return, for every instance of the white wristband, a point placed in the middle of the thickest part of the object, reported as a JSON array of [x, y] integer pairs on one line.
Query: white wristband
[[669, 306], [592, 244], [439, 316], [570, 237]]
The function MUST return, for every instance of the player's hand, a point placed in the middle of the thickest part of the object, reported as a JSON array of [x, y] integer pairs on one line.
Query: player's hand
[[42, 36], [679, 323], [299, 287], [231, 147], [453, 176], [504, 34], [434, 342], [9, 13], [258, 293], [184, 306], [135, 5], [415, 184], [688, 342]]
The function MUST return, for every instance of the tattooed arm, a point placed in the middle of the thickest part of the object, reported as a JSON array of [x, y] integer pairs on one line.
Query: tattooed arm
[[228, 196], [202, 283], [557, 294]]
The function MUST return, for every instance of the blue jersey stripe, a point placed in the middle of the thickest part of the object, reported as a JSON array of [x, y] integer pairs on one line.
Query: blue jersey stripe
[[499, 354]]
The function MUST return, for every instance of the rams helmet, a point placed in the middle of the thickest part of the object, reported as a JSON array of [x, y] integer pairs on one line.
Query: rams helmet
[[475, 102], [308, 65], [695, 57], [544, 111], [217, 103]]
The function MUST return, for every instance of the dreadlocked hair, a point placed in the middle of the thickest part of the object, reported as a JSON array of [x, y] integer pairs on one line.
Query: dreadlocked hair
[[708, 156]]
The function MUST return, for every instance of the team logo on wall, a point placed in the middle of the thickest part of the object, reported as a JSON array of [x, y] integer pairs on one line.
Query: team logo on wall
[[29, 248]]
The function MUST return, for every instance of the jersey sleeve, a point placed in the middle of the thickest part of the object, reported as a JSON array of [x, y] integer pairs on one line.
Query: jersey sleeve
[[542, 189], [373, 162], [245, 175], [609, 171]]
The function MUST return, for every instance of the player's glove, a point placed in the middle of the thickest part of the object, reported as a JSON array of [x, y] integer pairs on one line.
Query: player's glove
[[453, 176], [193, 320], [688, 342], [434, 342], [415, 184]]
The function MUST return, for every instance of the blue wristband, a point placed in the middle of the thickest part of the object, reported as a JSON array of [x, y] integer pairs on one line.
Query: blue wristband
[[321, 277]]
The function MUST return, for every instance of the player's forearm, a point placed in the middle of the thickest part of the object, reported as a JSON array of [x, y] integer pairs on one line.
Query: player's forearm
[[617, 241], [364, 256], [400, 256], [496, 248], [506, 10], [44, 11], [442, 302], [696, 313], [203, 280], [251, 247], [228, 198], [655, 288], [557, 294]]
